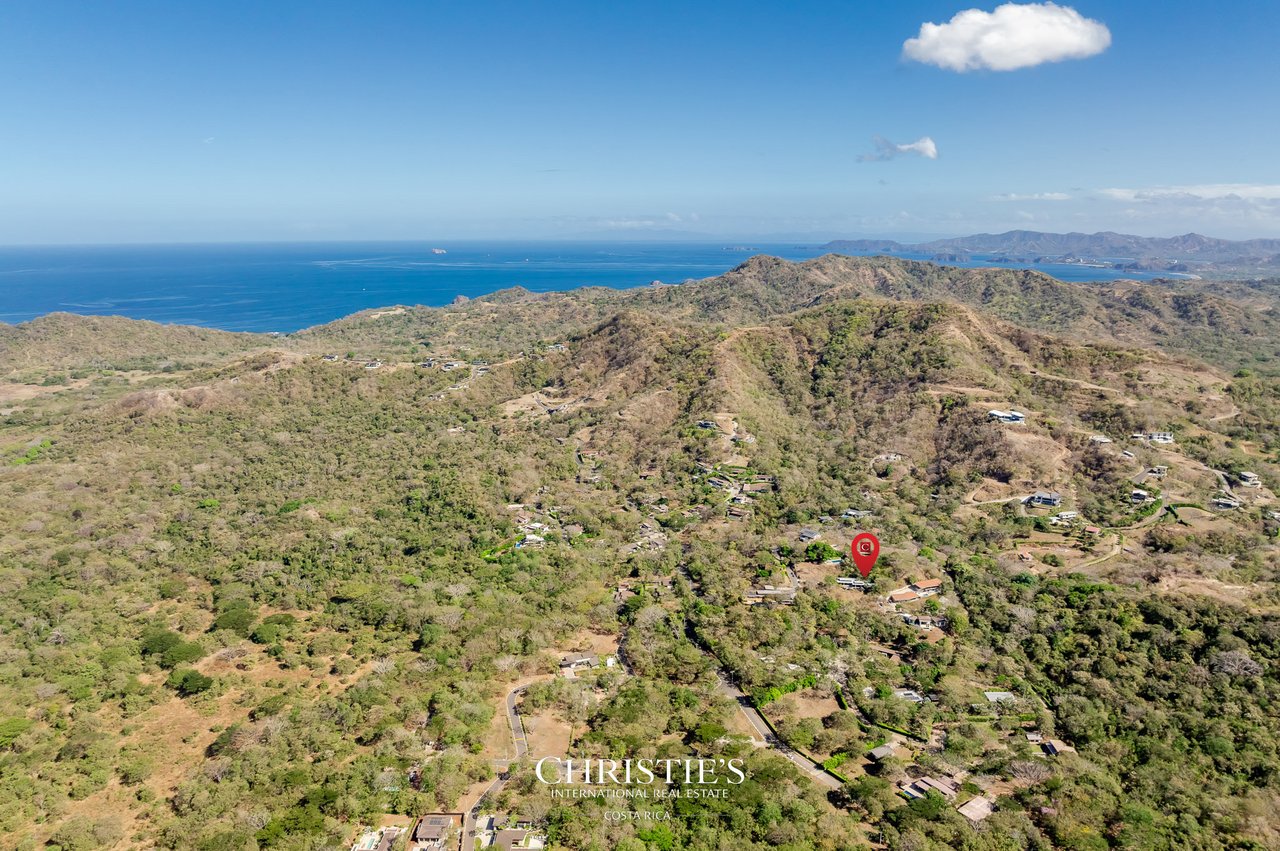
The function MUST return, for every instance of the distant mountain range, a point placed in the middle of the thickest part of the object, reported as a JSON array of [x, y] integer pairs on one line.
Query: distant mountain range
[[1116, 249]]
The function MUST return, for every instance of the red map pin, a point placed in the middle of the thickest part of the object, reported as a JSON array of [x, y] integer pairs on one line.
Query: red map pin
[[866, 549]]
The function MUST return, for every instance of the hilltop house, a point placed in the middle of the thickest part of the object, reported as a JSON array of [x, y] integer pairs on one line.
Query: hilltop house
[[1100, 439], [1046, 499], [1139, 496], [808, 535], [578, 661], [904, 596], [1011, 417], [855, 582], [927, 587], [1250, 480]]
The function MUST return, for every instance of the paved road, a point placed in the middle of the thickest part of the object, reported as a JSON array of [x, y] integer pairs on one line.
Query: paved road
[[768, 739], [520, 743], [516, 723]]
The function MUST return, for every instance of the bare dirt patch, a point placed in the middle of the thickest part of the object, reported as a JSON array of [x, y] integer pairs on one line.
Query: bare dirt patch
[[547, 734]]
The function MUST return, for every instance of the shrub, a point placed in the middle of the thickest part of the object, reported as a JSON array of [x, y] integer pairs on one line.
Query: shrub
[[238, 620], [187, 651], [188, 682]]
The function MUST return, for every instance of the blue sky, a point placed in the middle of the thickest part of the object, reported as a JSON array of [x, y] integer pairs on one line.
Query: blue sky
[[209, 121]]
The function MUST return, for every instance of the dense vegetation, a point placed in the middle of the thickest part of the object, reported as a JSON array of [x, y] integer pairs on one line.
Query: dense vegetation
[[247, 592]]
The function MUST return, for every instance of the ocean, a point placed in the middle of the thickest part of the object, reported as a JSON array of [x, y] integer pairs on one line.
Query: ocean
[[287, 287]]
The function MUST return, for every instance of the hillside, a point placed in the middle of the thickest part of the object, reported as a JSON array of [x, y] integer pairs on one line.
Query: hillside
[[1190, 246], [1240, 327], [256, 597]]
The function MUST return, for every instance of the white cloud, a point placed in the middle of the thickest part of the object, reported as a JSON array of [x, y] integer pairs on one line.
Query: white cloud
[[1013, 36], [886, 150], [1034, 196], [1198, 192]]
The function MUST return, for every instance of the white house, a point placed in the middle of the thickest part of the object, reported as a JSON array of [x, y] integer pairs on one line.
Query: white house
[[1012, 417]]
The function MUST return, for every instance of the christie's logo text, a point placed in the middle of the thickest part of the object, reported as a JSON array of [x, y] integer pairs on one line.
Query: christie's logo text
[[554, 771]]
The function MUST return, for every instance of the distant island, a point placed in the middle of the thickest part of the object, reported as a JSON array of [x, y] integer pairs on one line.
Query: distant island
[[1185, 254]]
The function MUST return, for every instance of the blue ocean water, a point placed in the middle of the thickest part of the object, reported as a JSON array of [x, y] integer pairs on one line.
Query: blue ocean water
[[286, 287]]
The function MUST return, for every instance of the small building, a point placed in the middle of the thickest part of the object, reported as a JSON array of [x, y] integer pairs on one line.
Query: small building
[[373, 364], [769, 594], [1047, 499], [518, 839], [1034, 737], [1139, 496], [807, 535], [910, 695], [1053, 747], [1128, 454], [976, 809], [757, 487], [330, 358], [856, 582], [1011, 417], [709, 424], [1159, 471], [1000, 697], [905, 596], [1092, 530], [1250, 480], [719, 482], [389, 838], [432, 831], [738, 512], [531, 542], [881, 753], [578, 661], [1100, 439], [1226, 503], [927, 587], [922, 787], [855, 514], [1066, 516], [1164, 437]]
